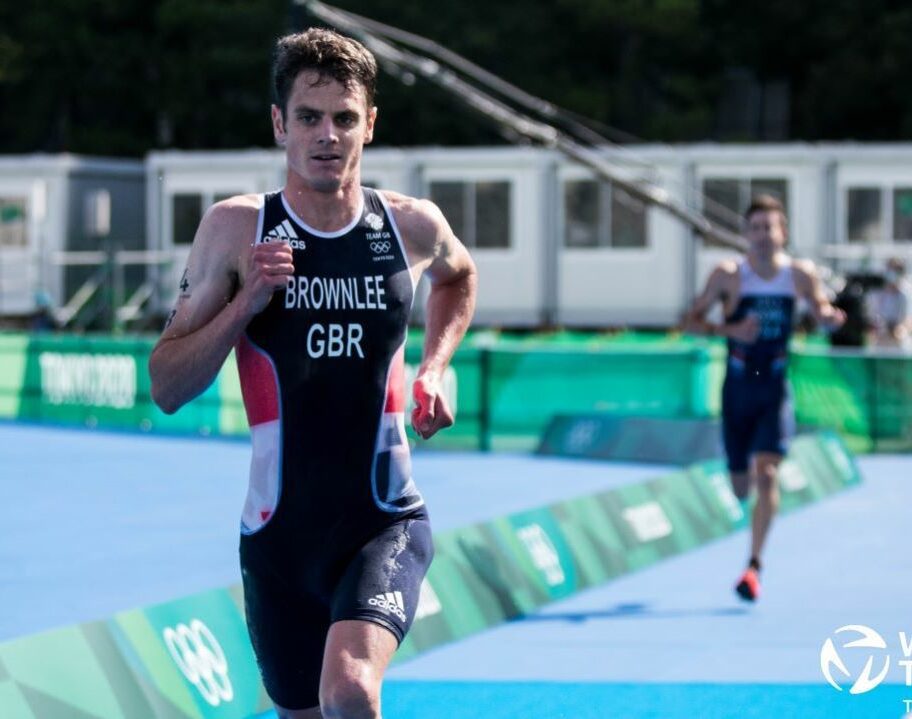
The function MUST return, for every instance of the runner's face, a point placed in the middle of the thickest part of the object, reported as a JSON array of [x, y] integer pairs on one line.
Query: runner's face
[[324, 131], [766, 232]]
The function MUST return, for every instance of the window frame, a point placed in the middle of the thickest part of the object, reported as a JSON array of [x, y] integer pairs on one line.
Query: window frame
[[604, 218], [469, 192], [9, 200], [746, 182]]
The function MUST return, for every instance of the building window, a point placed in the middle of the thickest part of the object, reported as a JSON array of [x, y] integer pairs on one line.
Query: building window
[[598, 214], [865, 223], [185, 218], [13, 215], [902, 214], [582, 226], [478, 212], [726, 198], [96, 213], [723, 202]]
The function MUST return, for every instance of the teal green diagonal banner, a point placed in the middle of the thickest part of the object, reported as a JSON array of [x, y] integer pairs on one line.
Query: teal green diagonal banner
[[191, 658], [509, 566]]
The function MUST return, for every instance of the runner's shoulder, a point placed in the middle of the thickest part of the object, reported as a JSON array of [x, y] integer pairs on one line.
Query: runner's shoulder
[[233, 219]]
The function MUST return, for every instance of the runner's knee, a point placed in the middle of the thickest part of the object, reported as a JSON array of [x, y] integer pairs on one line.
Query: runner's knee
[[766, 477], [740, 482], [353, 696]]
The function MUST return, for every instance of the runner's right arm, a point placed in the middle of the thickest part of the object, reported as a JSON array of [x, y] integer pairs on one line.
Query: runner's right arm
[[695, 319], [227, 281], [718, 288]]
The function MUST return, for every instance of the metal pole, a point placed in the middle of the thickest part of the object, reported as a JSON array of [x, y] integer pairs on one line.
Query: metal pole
[[484, 399]]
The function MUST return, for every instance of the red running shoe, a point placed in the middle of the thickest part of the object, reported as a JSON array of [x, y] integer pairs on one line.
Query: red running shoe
[[748, 587]]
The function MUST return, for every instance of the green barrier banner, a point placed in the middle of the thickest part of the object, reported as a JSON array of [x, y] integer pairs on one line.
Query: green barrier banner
[[866, 397], [191, 658], [507, 567], [13, 356], [632, 439], [633, 382], [544, 551], [92, 381], [506, 390], [187, 659], [103, 381]]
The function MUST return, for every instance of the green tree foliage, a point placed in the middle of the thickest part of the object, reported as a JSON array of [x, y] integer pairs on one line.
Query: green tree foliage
[[121, 77], [214, 71], [73, 75]]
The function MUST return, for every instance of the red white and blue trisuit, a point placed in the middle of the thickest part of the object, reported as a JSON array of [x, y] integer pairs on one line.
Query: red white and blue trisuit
[[333, 527]]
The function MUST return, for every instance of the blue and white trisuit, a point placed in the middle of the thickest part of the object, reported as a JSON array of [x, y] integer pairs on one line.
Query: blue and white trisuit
[[757, 413]]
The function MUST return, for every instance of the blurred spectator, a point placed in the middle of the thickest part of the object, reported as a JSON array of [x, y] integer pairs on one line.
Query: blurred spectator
[[890, 306], [851, 300], [42, 319]]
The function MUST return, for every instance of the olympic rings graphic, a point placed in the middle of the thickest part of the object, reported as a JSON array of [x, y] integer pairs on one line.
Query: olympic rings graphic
[[380, 247], [200, 658]]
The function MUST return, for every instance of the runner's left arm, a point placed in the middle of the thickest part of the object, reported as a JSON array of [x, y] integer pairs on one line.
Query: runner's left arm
[[448, 312], [811, 289]]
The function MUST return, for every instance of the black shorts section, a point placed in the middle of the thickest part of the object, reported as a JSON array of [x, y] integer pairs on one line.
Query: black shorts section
[[288, 633], [383, 580], [756, 417], [379, 583]]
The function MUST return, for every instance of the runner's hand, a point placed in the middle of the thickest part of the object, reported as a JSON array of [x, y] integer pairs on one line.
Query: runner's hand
[[747, 330], [832, 319], [432, 412], [269, 266]]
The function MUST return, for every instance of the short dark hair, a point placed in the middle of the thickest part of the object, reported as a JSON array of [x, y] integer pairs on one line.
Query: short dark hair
[[765, 203], [331, 55], [897, 264]]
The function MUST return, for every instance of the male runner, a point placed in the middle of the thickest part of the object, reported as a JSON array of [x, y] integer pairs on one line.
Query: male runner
[[312, 286], [758, 296]]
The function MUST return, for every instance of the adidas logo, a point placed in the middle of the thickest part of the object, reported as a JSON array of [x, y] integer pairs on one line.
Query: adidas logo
[[389, 602], [285, 231]]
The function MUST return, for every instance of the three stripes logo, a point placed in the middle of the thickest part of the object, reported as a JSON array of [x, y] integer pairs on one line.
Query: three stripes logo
[[285, 231], [390, 602]]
